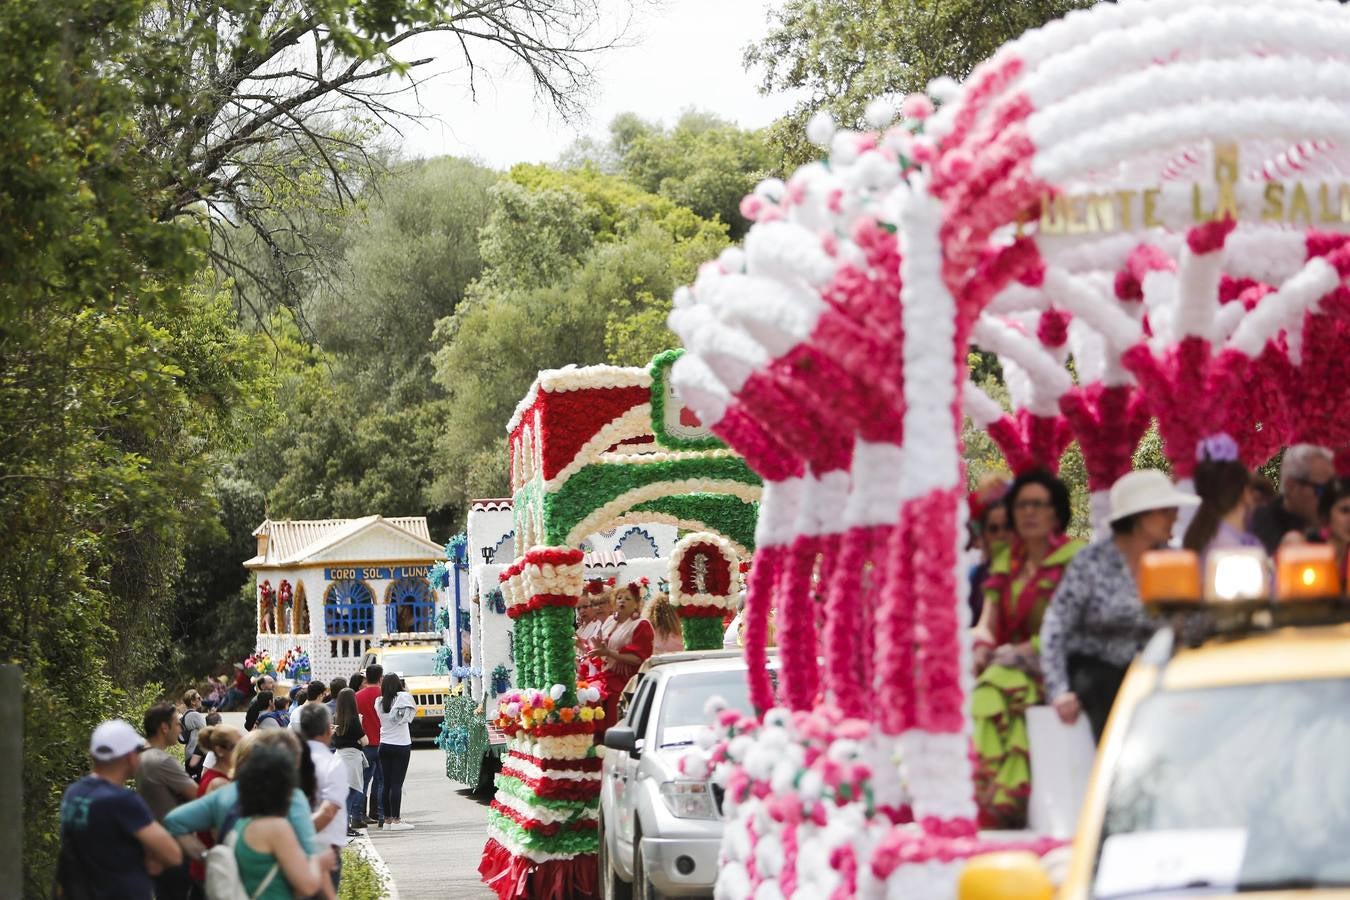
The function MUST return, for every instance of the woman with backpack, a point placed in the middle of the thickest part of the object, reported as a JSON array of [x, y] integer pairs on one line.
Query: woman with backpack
[[270, 862], [395, 709]]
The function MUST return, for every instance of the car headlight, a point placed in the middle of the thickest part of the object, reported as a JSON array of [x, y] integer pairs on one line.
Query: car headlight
[[688, 799]]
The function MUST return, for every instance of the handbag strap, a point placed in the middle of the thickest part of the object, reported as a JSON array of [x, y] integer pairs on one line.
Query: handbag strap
[[265, 882], [234, 837]]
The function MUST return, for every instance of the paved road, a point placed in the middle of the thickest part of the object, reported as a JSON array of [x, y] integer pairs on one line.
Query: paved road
[[439, 859]]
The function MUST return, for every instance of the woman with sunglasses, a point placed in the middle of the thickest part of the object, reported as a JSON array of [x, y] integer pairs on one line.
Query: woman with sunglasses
[[1023, 575], [1333, 507], [989, 530]]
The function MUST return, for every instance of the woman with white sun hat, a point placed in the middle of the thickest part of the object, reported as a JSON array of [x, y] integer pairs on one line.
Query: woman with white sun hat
[[1096, 624]]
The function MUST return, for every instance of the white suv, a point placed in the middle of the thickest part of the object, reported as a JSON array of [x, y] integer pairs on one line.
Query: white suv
[[660, 831]]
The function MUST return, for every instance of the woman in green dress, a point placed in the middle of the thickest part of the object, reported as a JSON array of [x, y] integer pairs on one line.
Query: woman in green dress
[[1022, 578], [272, 864]]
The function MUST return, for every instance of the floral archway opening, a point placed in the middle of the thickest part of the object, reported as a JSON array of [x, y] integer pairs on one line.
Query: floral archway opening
[[705, 585], [267, 607], [285, 607], [301, 620]]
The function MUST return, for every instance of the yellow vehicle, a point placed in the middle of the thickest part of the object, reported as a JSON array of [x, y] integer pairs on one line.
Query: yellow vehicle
[[415, 660], [1223, 769]]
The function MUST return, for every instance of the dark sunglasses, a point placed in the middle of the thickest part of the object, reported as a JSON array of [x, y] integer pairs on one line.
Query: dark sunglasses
[[1318, 487]]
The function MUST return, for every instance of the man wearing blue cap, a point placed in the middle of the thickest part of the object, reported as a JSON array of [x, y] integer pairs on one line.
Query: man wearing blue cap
[[111, 845]]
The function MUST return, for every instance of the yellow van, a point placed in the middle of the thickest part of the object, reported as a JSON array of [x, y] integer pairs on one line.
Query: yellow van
[[415, 660]]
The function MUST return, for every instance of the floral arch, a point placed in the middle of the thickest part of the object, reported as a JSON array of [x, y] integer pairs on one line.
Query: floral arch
[[1126, 257], [591, 449]]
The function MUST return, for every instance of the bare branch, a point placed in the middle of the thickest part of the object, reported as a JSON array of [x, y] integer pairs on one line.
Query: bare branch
[[276, 95]]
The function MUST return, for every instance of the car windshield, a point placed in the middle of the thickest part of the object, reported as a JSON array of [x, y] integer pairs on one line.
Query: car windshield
[[411, 663], [683, 712], [1234, 788]]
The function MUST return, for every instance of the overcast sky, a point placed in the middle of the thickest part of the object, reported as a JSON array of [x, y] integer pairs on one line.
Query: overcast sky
[[685, 53]]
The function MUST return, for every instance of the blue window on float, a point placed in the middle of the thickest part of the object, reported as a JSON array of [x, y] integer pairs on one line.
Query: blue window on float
[[410, 606], [348, 608]]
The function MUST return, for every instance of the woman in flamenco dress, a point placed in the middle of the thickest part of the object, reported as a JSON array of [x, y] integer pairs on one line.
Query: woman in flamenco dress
[[625, 649], [1023, 575]]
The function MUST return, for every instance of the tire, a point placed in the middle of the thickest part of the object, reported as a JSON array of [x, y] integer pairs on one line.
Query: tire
[[642, 886], [612, 887]]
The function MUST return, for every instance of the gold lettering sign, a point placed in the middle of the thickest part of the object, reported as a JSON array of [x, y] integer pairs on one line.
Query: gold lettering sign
[[1294, 203]]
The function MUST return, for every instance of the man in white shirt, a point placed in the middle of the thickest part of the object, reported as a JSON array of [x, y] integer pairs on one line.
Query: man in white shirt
[[330, 822]]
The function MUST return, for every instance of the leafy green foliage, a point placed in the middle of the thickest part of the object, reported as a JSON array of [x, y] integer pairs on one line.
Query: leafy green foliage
[[580, 267], [261, 115], [360, 881], [118, 372], [409, 257], [704, 163]]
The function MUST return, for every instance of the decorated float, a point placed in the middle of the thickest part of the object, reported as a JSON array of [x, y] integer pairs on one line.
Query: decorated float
[[1142, 210], [483, 667], [329, 590], [594, 451]]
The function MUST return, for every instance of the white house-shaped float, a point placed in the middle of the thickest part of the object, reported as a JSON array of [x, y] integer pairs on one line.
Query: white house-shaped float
[[336, 587]]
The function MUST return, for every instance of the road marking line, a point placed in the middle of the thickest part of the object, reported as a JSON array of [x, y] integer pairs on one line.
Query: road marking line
[[366, 847]]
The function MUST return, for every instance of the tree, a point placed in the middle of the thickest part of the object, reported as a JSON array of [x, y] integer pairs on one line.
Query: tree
[[572, 257], [409, 257], [115, 376], [704, 163], [145, 141], [359, 413], [246, 105], [841, 54]]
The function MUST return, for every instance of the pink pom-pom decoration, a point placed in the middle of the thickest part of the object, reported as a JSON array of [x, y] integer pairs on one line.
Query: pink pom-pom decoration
[[917, 107]]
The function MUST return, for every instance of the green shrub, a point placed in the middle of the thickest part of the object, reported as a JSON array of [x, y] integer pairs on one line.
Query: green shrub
[[360, 881]]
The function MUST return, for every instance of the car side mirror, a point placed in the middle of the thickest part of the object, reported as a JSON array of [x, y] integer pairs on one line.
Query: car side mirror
[[1004, 876], [622, 737]]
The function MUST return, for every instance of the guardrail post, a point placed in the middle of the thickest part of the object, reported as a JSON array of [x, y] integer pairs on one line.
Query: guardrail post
[[11, 763]]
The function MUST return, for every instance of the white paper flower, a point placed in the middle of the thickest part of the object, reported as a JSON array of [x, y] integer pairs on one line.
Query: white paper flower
[[820, 129]]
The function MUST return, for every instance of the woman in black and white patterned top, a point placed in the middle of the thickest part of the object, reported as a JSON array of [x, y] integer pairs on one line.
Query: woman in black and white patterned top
[[1096, 624]]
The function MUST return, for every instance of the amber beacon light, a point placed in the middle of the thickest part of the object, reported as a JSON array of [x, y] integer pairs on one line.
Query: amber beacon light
[[1169, 576], [1307, 572]]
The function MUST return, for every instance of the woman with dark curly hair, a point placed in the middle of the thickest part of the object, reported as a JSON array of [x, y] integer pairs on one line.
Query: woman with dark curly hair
[[1023, 575], [272, 864]]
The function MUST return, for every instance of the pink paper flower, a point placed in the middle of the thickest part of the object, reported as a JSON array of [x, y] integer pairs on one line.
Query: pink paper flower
[[916, 106]]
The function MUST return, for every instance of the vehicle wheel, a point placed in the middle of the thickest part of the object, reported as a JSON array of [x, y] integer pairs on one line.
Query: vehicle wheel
[[612, 887], [642, 885]]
